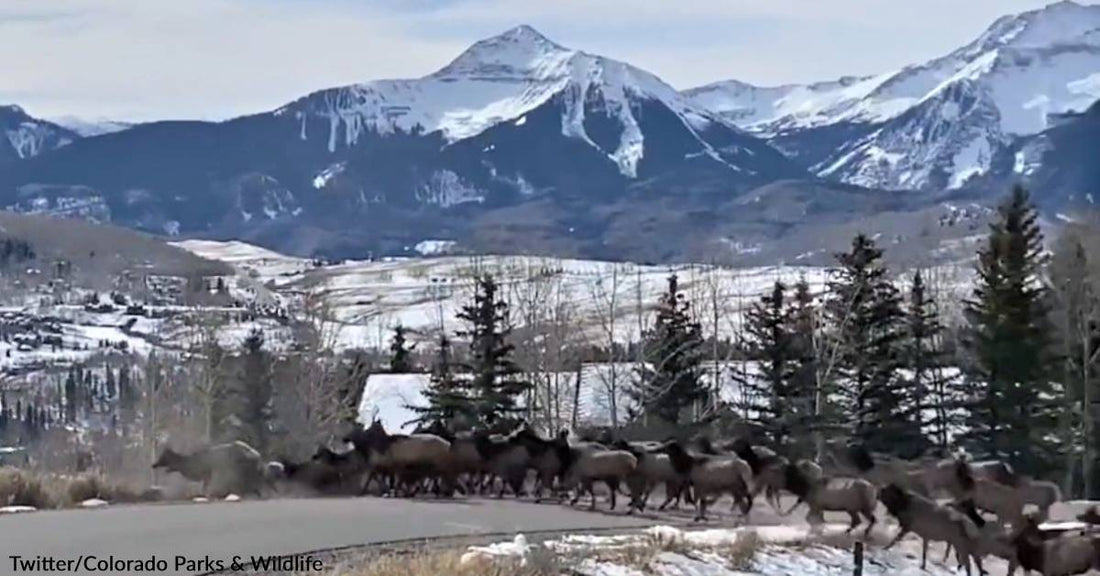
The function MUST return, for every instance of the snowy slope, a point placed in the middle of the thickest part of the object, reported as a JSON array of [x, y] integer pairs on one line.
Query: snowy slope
[[22, 136], [773, 109], [86, 127], [368, 298], [499, 80], [940, 123]]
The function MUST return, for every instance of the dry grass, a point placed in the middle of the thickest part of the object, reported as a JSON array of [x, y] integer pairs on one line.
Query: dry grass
[[436, 562], [88, 486], [542, 561], [21, 488]]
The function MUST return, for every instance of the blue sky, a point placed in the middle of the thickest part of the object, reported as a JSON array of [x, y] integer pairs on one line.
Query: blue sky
[[213, 59]]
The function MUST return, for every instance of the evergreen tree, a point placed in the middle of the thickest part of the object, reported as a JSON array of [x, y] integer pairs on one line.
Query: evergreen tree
[[127, 395], [1012, 403], [448, 397], [672, 380], [925, 358], [28, 420], [70, 396], [770, 344], [864, 309], [248, 396], [400, 352], [496, 381], [111, 387]]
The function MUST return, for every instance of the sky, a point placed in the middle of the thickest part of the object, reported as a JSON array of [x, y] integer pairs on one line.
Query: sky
[[140, 60]]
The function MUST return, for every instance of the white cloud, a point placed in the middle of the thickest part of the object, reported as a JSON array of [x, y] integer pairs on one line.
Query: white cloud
[[148, 59]]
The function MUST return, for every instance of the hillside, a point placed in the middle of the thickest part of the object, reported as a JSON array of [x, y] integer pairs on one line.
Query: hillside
[[104, 251]]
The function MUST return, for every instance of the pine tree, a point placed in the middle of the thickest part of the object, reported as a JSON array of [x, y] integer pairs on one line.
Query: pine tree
[[247, 401], [1012, 404], [70, 396], [496, 382], [400, 352], [925, 358], [864, 308], [448, 397], [770, 344], [111, 387], [127, 396], [672, 380]]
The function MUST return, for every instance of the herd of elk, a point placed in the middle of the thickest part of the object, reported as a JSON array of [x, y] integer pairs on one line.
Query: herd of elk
[[697, 471]]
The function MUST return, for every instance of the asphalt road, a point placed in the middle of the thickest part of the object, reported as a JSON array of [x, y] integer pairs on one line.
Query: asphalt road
[[222, 530]]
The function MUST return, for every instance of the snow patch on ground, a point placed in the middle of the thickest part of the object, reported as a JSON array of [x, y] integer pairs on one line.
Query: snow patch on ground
[[518, 548], [765, 551], [17, 509], [94, 503]]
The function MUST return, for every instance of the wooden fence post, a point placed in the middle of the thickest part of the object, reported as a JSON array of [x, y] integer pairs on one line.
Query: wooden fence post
[[857, 553]]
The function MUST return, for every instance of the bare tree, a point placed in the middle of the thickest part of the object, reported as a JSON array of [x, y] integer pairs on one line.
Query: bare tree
[[315, 396], [605, 294], [210, 358]]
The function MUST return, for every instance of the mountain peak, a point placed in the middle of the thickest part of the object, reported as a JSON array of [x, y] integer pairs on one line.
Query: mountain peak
[[513, 54], [1065, 22], [524, 33]]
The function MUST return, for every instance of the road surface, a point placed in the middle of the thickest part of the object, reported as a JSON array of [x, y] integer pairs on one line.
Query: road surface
[[223, 530]]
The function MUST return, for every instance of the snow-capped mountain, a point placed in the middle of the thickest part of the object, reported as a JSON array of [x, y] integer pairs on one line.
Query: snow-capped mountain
[[1059, 164], [517, 122], [22, 136], [86, 127], [938, 124], [500, 80]]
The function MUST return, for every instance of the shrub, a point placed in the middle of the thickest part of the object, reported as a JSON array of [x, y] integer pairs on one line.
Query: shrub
[[22, 488]]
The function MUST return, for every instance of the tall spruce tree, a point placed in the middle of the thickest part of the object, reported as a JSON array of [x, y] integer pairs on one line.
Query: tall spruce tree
[[925, 358], [496, 383], [110, 386], [864, 308], [448, 396], [248, 411], [400, 352], [71, 396], [769, 342], [672, 380], [1012, 403]]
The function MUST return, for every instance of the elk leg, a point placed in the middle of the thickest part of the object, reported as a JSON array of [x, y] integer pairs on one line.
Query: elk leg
[[700, 506], [855, 522], [796, 504], [670, 495], [871, 523], [901, 534]]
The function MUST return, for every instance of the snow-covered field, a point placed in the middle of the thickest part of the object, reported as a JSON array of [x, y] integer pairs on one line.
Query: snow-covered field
[[368, 298]]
